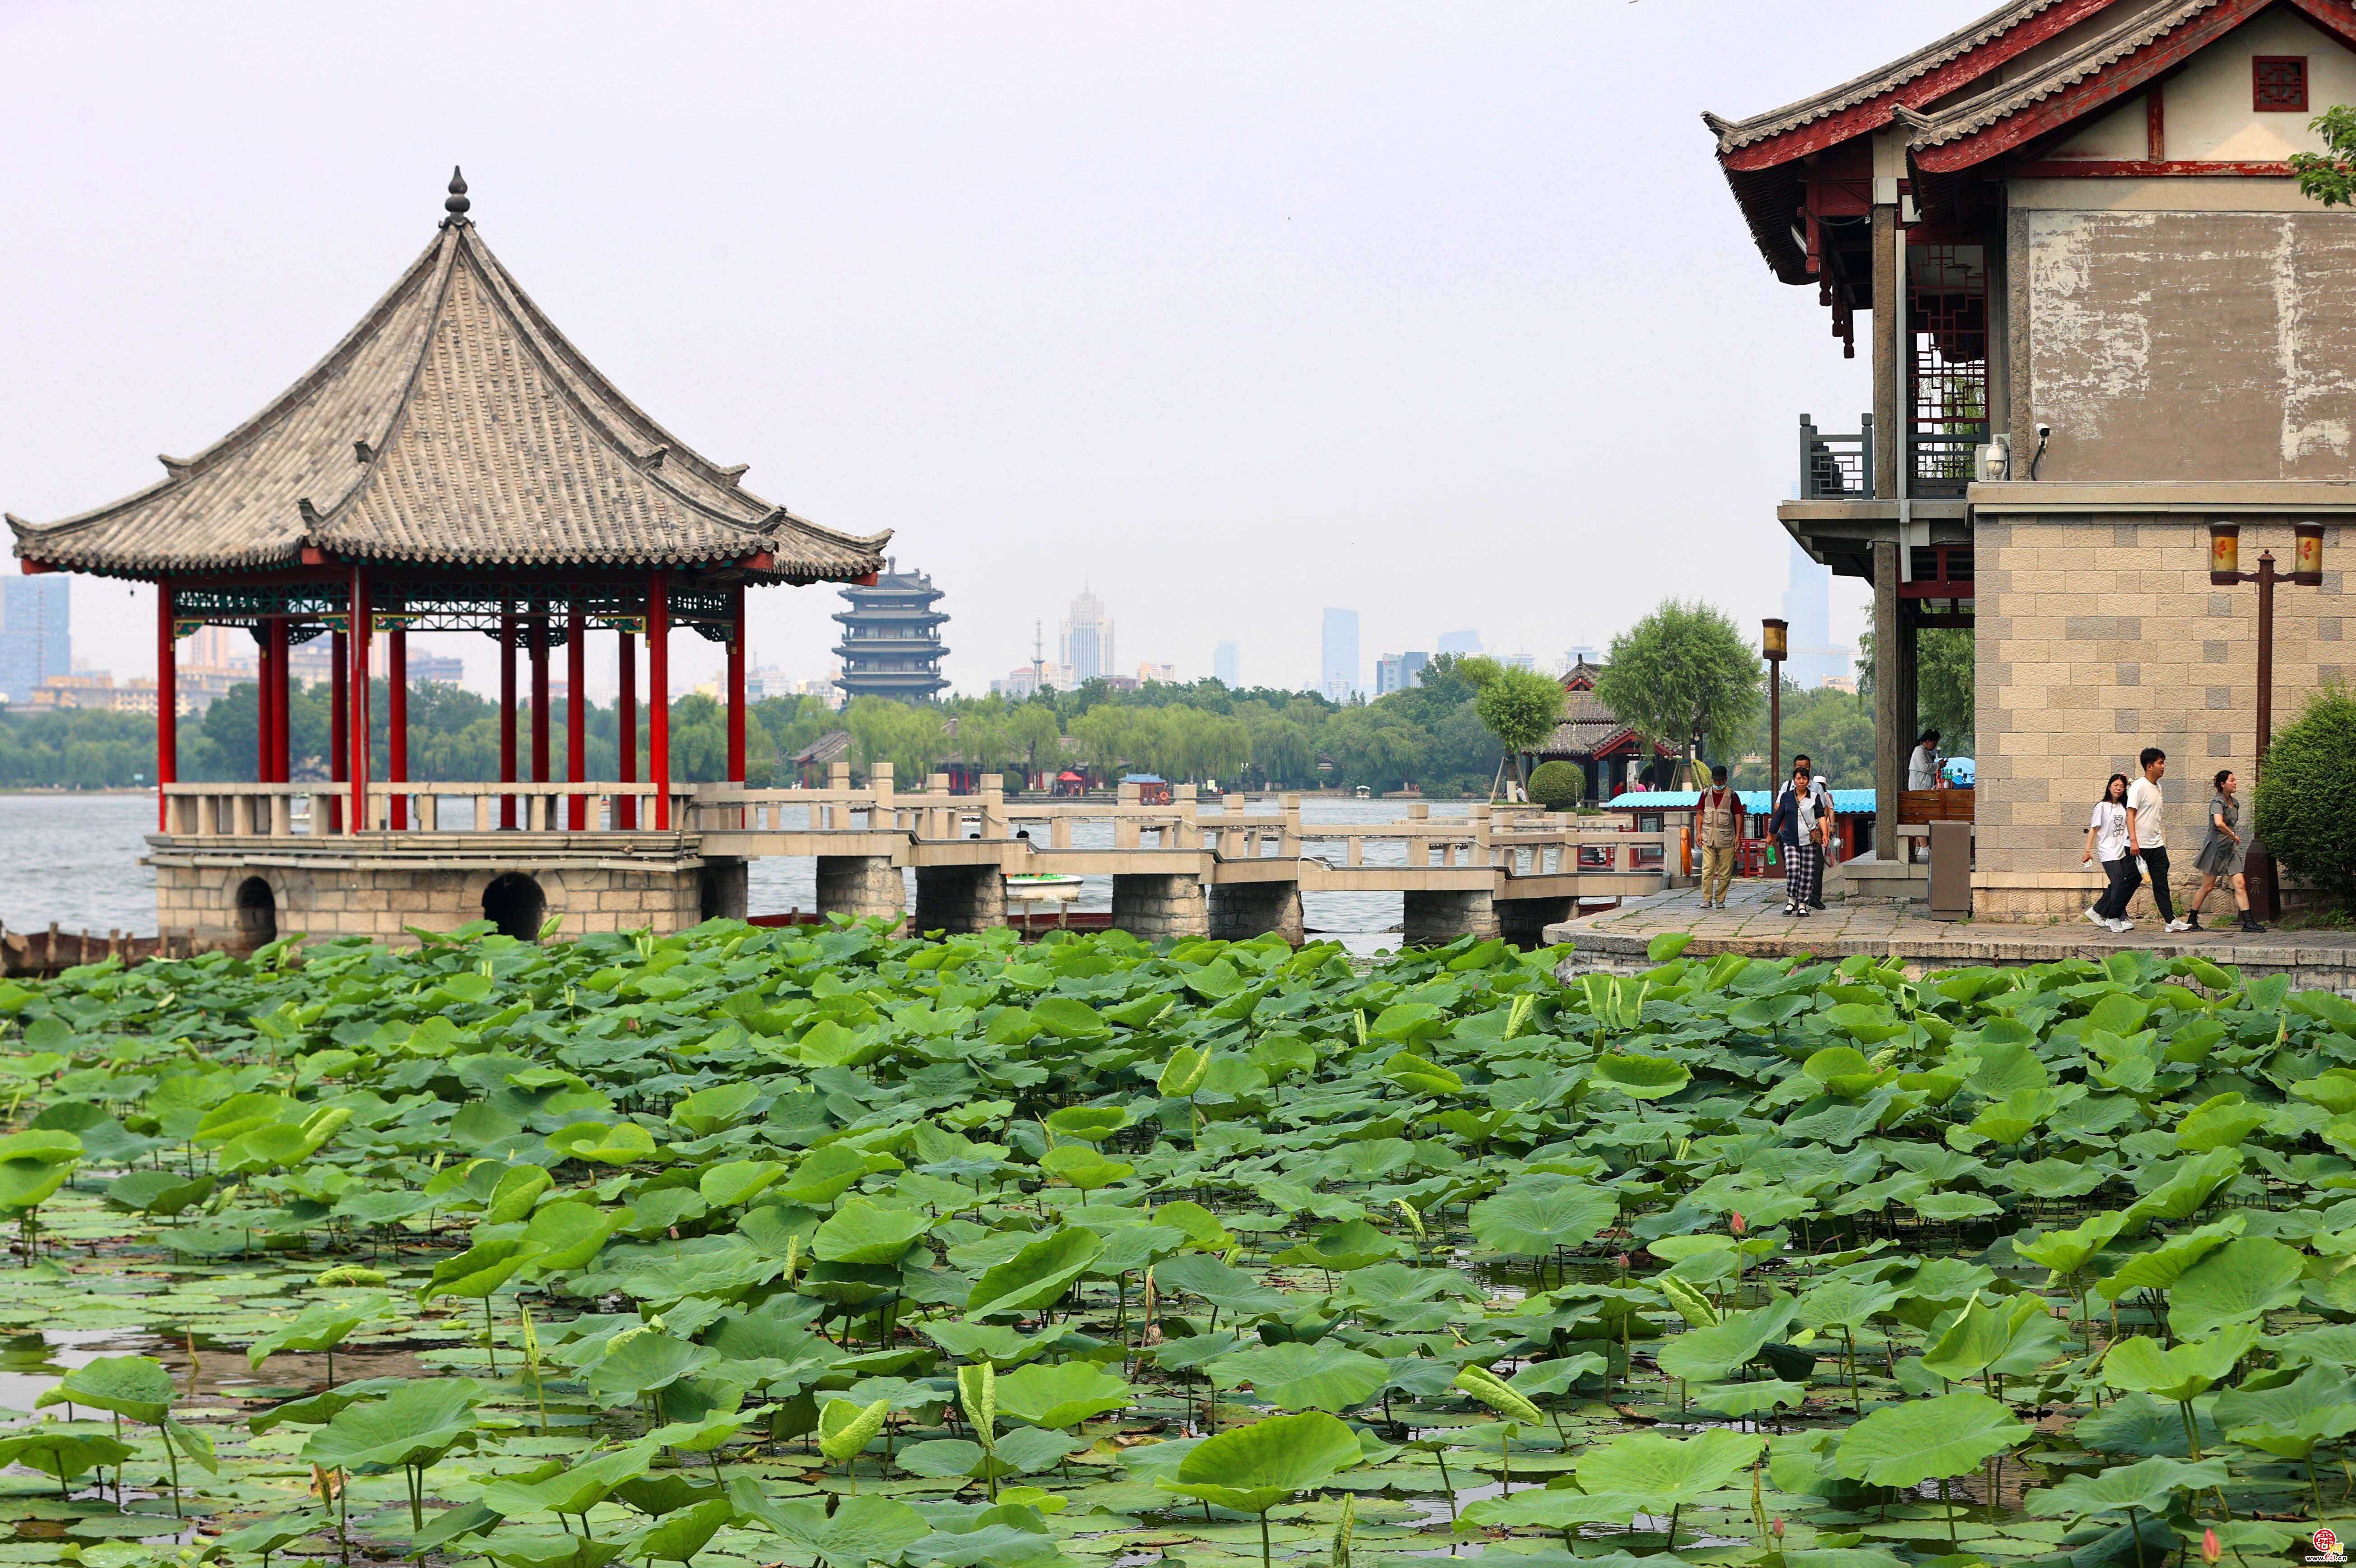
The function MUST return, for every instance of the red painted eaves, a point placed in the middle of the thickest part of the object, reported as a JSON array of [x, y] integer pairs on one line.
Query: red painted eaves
[[2119, 79], [2144, 169], [1874, 112]]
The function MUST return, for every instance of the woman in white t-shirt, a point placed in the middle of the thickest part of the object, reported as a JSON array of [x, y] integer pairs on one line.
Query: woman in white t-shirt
[[2106, 840]]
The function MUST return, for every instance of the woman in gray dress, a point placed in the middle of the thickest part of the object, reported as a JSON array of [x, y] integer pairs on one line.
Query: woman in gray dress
[[2222, 852]]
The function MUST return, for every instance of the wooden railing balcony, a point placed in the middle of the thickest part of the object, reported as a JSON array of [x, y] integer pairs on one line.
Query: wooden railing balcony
[[1836, 465]]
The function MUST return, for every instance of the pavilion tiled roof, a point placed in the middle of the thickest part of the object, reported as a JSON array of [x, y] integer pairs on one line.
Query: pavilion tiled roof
[[2105, 48], [1735, 134], [453, 425], [1588, 727]]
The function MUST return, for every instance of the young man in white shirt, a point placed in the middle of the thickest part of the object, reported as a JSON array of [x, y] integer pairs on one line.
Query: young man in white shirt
[[2147, 835]]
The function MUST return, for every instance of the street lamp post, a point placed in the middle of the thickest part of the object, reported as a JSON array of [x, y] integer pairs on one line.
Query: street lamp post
[[1775, 642], [2307, 571]]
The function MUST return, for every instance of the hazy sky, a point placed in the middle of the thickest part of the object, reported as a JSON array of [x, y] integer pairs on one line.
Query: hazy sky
[[1232, 311]]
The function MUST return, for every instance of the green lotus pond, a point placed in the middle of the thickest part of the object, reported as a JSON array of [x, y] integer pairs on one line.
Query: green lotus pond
[[782, 1247]]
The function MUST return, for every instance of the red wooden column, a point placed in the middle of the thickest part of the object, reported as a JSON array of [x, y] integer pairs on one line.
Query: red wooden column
[[626, 733], [358, 724], [658, 697], [538, 629], [396, 716], [262, 688], [576, 722], [282, 762], [506, 717], [167, 705], [736, 685], [340, 762]]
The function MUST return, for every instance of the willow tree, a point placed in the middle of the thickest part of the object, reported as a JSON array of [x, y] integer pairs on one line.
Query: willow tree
[[1519, 707], [1685, 676]]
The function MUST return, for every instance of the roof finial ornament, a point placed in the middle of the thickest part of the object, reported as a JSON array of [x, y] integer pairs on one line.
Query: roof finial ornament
[[457, 202]]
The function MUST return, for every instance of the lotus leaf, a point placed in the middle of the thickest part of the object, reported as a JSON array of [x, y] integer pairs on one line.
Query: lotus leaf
[[2239, 1281], [415, 1423], [135, 1386], [862, 1233], [1253, 1468], [1065, 1394], [34, 1165], [2143, 1486], [1906, 1444], [2181, 1371], [1323, 1376], [1534, 1216], [1640, 1077], [1037, 1275], [1658, 1471]]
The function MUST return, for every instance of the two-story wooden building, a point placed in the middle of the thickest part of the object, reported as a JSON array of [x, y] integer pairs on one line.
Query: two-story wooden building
[[2106, 268]]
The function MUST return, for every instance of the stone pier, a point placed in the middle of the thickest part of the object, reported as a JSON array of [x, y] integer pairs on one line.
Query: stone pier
[[1523, 922], [1437, 917], [333, 887], [1149, 905], [726, 890], [958, 898], [1242, 910], [860, 886]]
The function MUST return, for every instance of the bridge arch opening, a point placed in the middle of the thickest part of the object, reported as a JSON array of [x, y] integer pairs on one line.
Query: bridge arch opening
[[257, 913], [514, 903]]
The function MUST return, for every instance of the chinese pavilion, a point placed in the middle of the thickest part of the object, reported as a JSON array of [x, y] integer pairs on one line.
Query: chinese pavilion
[[454, 463]]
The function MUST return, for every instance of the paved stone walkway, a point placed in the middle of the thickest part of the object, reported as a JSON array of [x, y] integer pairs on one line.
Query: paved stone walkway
[[1754, 923]]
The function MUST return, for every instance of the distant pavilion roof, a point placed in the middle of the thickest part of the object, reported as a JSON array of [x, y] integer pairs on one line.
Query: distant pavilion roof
[[454, 427]]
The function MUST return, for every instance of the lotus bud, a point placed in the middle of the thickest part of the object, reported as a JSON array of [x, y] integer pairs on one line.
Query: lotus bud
[[2211, 1550], [1734, 1223]]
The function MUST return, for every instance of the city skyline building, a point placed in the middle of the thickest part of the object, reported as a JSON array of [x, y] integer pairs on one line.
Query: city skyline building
[[1808, 610], [1460, 643], [35, 634], [1225, 665], [1398, 671], [1086, 644], [1337, 655]]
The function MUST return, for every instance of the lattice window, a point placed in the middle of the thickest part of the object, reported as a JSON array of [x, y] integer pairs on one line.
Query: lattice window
[[1947, 414], [2279, 83]]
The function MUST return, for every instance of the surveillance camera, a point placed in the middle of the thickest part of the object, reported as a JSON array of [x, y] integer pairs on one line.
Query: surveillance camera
[[2043, 431]]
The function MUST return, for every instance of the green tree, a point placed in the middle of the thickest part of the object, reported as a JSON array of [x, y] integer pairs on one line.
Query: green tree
[[1684, 676], [1519, 707], [1833, 727], [1377, 746], [2307, 797], [2330, 176], [1943, 692]]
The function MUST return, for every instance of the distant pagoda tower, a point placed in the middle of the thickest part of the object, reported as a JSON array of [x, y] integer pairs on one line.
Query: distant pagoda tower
[[891, 643]]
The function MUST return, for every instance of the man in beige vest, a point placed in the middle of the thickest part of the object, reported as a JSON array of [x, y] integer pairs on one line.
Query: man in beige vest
[[1717, 828]]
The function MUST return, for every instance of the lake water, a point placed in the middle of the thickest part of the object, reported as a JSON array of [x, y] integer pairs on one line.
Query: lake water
[[74, 859]]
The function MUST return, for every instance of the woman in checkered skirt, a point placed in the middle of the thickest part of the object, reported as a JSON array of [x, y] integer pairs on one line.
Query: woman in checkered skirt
[[1799, 830]]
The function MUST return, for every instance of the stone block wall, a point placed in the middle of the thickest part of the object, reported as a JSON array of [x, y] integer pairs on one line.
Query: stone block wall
[[202, 899], [1242, 910], [1152, 905], [959, 899], [860, 886], [2097, 636], [1523, 922], [1436, 917]]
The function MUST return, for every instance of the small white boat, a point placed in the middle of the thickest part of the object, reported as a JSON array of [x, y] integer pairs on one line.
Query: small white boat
[[1043, 885]]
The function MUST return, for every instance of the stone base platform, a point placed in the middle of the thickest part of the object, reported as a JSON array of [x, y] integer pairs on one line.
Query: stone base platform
[[1754, 924], [238, 896]]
